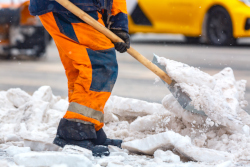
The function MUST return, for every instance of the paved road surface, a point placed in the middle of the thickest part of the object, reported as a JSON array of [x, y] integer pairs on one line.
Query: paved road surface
[[134, 80]]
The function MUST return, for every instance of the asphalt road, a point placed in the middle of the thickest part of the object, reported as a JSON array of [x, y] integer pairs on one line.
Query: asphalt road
[[134, 80]]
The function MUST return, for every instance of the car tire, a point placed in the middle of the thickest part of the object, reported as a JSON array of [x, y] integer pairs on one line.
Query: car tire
[[192, 40], [219, 27]]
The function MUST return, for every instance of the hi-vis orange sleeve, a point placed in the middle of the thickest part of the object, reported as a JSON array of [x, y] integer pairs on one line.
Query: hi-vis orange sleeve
[[119, 6]]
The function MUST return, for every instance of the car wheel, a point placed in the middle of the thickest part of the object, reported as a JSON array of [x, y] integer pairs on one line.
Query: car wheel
[[192, 40], [219, 27]]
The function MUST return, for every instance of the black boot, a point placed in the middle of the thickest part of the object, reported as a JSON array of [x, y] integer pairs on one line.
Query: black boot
[[79, 134], [102, 139], [97, 151]]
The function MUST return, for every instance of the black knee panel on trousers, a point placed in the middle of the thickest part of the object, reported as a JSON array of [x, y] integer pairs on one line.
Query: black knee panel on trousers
[[75, 130], [100, 137]]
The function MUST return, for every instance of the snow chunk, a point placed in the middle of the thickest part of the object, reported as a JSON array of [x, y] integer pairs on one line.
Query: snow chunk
[[77, 150], [4, 163], [13, 150], [61, 105], [183, 145], [127, 107], [149, 122], [40, 146], [5, 104], [38, 159], [61, 165], [111, 160], [166, 156], [53, 117], [11, 137], [17, 97], [33, 113], [44, 93], [183, 73], [170, 103]]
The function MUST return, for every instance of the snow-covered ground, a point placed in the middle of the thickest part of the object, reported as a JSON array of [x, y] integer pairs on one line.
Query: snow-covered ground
[[154, 134]]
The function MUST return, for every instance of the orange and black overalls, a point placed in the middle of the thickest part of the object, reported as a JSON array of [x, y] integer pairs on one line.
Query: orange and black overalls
[[87, 55]]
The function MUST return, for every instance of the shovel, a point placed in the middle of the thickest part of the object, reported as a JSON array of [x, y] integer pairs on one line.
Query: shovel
[[183, 99]]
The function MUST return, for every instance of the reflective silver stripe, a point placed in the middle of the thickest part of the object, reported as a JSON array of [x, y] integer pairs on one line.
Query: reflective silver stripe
[[86, 111], [80, 121]]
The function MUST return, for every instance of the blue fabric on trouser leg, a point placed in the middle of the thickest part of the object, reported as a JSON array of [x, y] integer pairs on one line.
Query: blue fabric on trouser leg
[[104, 69]]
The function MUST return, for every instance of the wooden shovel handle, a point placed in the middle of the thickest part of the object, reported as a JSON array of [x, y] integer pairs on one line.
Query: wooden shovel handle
[[114, 38]]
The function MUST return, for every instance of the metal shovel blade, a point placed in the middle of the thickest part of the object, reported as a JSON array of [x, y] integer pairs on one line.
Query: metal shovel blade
[[183, 99]]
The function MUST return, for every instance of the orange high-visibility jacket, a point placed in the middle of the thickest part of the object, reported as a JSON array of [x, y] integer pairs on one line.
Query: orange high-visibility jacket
[[117, 9]]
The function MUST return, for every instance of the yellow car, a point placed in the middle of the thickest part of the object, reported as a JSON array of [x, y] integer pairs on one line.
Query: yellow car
[[221, 22]]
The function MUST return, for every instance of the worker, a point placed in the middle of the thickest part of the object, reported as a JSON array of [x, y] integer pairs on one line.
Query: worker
[[90, 64]]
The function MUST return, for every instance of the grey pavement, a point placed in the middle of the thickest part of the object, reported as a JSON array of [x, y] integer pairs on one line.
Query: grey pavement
[[134, 80]]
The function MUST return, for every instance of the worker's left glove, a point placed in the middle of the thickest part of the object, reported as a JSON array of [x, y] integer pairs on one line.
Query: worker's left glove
[[120, 46]]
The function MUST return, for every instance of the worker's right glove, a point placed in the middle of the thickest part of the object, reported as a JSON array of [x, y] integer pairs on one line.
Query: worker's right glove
[[121, 46]]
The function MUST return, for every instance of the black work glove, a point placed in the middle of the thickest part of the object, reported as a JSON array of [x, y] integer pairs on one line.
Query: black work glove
[[121, 46]]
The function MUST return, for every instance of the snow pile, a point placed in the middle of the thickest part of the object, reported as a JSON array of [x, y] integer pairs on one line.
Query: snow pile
[[163, 134], [219, 96], [26, 118]]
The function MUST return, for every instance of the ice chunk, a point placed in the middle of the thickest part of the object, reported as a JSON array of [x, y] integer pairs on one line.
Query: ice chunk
[[170, 140], [11, 137], [151, 143], [116, 151], [166, 156], [127, 107], [38, 159], [41, 146], [111, 160], [147, 123], [78, 150], [13, 150]]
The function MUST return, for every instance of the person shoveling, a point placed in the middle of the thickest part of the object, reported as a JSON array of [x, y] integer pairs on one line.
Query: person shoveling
[[90, 65], [87, 51]]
